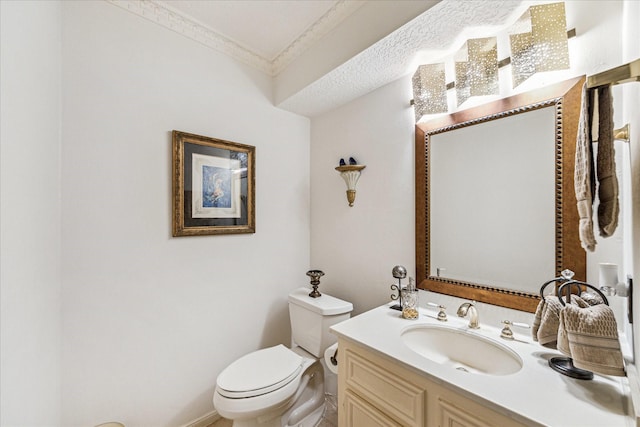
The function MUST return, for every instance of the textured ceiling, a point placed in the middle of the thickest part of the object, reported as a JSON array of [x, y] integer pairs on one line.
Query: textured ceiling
[[428, 37]]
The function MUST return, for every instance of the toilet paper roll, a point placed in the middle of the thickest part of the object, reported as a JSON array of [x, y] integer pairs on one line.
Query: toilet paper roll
[[328, 354]]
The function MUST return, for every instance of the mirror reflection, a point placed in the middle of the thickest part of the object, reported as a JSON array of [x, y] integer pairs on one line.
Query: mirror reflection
[[492, 185]]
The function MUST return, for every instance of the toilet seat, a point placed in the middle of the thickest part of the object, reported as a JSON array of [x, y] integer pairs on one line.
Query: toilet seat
[[260, 372]]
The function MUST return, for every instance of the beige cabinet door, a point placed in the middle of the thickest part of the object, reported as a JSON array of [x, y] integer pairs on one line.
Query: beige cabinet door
[[394, 391], [359, 413], [449, 409]]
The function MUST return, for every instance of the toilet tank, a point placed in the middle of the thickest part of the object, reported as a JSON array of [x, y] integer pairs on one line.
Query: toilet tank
[[312, 317]]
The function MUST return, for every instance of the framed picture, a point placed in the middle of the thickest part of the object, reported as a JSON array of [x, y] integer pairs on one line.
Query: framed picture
[[213, 186]]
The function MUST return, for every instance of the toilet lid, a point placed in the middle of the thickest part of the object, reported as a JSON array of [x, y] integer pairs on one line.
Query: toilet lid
[[260, 372]]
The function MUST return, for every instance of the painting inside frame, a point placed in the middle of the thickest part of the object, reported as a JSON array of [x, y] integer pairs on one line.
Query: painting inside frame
[[213, 186]]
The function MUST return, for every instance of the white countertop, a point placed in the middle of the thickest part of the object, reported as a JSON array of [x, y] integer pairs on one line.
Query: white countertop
[[535, 395]]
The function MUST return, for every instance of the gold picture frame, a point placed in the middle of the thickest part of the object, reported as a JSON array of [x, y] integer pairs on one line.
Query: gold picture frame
[[213, 186]]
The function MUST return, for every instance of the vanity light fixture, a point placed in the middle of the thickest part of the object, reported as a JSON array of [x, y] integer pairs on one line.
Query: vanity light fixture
[[476, 65], [429, 90], [539, 42], [351, 175]]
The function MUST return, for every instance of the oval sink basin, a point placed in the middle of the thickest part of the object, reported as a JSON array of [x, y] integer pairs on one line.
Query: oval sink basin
[[462, 350]]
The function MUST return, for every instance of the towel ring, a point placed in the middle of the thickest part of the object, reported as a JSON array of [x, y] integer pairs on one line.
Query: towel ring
[[571, 284], [578, 283], [557, 279]]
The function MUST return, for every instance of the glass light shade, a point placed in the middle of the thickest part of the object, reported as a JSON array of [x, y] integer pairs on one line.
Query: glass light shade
[[429, 90], [539, 42], [476, 68]]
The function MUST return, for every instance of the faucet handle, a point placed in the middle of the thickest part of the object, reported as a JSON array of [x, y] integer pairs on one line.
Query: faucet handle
[[442, 315], [506, 332]]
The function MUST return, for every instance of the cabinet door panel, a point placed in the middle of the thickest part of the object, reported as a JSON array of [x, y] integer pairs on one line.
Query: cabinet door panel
[[457, 411], [396, 396], [451, 416], [360, 413]]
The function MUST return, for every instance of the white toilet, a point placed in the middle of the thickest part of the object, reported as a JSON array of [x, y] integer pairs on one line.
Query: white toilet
[[282, 387]]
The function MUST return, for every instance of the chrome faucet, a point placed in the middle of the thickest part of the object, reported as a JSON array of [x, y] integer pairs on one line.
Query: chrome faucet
[[469, 307]]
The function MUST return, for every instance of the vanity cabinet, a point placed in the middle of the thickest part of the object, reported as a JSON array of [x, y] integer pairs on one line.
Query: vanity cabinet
[[376, 391], [359, 412]]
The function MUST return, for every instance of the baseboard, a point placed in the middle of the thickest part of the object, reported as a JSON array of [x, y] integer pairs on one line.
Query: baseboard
[[204, 421]]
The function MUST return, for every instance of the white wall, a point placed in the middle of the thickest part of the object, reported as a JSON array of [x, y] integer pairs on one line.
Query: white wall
[[30, 214], [357, 247], [149, 320], [631, 115]]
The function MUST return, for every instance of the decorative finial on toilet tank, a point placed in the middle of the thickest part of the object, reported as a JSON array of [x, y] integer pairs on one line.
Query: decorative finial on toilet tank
[[315, 276]]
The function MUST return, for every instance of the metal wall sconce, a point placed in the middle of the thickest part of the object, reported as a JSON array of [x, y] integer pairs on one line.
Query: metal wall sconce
[[351, 175]]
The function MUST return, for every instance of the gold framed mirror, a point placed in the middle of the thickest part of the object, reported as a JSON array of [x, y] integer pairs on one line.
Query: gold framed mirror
[[513, 131]]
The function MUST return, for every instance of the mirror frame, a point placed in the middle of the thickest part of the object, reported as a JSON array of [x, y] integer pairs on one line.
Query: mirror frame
[[565, 97]]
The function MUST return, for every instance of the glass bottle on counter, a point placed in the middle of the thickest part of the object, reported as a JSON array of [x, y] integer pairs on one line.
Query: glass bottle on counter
[[409, 296]]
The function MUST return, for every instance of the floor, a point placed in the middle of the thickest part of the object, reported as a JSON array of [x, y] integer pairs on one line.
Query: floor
[[329, 418], [221, 423]]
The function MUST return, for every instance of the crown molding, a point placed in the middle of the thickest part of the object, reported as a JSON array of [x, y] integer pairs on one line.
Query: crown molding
[[162, 14], [327, 22]]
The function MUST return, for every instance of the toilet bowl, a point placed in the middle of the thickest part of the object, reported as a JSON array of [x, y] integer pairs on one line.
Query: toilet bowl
[[280, 386]]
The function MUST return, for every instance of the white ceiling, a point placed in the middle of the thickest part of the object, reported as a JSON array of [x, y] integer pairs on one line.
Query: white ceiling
[[265, 34], [270, 35], [267, 27]]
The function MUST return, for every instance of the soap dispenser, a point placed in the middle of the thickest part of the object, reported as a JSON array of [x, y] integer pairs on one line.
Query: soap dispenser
[[409, 300]]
